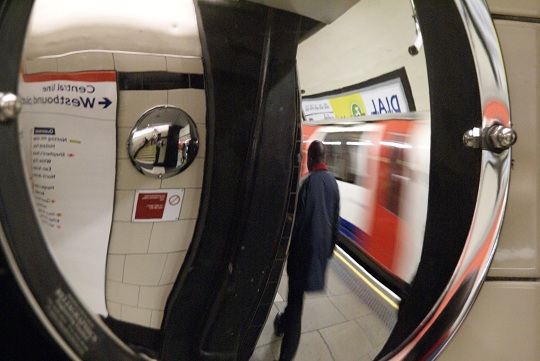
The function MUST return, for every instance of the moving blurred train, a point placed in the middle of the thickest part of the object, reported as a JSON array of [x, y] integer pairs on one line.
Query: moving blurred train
[[504, 322], [382, 168]]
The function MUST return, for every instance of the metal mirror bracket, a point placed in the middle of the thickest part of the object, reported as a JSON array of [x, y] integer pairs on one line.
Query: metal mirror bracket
[[495, 138]]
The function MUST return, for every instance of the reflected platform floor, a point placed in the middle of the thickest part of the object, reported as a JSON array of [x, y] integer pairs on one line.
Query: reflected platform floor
[[348, 321]]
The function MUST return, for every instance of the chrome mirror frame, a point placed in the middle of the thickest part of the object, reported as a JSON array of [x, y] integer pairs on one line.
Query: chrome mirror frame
[[427, 340], [442, 322]]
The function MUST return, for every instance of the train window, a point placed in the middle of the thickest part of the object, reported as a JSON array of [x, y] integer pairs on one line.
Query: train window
[[393, 171], [346, 157]]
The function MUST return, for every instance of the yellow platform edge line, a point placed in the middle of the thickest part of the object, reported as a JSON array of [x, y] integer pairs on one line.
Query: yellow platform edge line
[[368, 282]]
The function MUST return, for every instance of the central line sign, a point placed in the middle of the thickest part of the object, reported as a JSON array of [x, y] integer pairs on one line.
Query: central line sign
[[69, 143]]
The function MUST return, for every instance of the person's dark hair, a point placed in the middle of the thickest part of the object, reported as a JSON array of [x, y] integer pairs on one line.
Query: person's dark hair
[[317, 151]]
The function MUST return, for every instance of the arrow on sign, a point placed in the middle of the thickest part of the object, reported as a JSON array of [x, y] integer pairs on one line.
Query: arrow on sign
[[106, 102]]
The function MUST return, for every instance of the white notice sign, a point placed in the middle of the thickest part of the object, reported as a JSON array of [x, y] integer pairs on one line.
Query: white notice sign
[[385, 98], [68, 135]]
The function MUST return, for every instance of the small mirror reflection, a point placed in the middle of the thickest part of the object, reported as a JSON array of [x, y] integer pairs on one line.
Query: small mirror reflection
[[164, 142]]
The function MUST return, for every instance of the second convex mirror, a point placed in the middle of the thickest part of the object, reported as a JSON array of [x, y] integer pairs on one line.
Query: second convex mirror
[[163, 142]]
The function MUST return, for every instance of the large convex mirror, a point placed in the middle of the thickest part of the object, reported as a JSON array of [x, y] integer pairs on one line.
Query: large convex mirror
[[173, 247]]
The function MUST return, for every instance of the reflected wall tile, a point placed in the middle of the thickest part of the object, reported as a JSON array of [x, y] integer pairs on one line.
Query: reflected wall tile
[[172, 267], [192, 177], [139, 62], [530, 8], [201, 128], [191, 203], [132, 104], [41, 66], [267, 334], [152, 253], [184, 65], [283, 285], [122, 136], [115, 267], [122, 293], [127, 177], [350, 306], [336, 285], [171, 236], [518, 251], [313, 347], [320, 313], [114, 309], [129, 238], [144, 269], [157, 318], [347, 341], [265, 353], [375, 329], [94, 61], [154, 297], [123, 205], [135, 315], [192, 101]]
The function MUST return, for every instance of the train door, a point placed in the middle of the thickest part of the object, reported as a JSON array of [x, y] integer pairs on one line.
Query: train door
[[392, 178]]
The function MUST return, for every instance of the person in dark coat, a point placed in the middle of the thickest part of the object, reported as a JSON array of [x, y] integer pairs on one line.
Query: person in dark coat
[[312, 244]]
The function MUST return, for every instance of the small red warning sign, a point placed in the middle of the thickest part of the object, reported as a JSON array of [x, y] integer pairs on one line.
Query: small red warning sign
[[157, 205], [150, 205]]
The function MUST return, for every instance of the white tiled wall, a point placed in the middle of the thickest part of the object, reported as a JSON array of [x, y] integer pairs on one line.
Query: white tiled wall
[[125, 62], [143, 258]]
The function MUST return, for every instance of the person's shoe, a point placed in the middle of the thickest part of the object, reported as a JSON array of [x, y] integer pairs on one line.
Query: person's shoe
[[278, 325]]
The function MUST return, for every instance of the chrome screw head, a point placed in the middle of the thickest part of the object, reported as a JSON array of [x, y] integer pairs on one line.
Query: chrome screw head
[[506, 137], [472, 138], [10, 107]]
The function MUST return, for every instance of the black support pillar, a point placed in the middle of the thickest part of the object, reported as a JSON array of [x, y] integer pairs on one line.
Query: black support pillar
[[227, 284]]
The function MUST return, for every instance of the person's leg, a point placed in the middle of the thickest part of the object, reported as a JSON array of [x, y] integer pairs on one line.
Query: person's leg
[[292, 322]]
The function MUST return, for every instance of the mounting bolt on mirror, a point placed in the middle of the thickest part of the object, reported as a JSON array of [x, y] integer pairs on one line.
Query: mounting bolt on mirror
[[10, 106], [495, 138]]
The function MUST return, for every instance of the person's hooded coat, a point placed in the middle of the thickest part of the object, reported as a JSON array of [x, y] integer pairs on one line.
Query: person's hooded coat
[[315, 230]]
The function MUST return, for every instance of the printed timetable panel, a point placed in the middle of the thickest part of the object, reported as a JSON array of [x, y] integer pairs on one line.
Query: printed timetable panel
[[68, 137]]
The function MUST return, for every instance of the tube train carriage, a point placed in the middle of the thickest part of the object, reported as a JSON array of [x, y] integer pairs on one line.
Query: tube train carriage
[[151, 162], [382, 168]]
